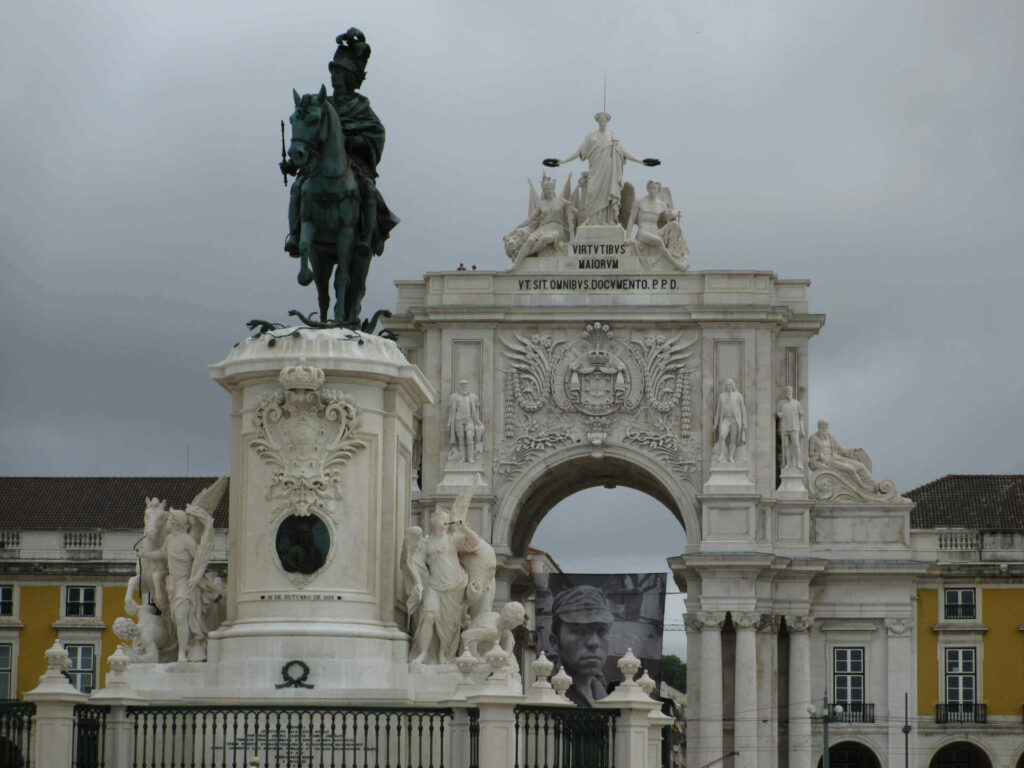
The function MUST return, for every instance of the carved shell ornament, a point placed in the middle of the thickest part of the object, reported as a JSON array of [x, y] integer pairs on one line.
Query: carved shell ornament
[[306, 434]]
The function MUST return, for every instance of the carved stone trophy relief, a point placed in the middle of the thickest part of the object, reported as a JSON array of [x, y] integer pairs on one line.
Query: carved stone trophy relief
[[598, 388], [306, 434]]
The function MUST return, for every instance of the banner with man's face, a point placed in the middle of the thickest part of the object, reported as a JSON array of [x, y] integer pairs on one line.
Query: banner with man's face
[[586, 621]]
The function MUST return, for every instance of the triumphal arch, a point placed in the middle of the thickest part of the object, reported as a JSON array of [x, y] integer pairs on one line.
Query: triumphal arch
[[605, 355]]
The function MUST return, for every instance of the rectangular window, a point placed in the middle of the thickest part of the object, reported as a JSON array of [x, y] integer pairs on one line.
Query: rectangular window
[[960, 604], [961, 677], [83, 667], [848, 675], [6, 600], [6, 660], [80, 601]]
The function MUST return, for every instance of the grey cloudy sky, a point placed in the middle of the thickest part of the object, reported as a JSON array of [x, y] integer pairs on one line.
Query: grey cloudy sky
[[873, 147]]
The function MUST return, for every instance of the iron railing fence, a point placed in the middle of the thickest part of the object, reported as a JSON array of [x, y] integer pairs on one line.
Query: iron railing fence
[[961, 712], [474, 737], [565, 737], [16, 733], [853, 712], [290, 736], [90, 736], [960, 611]]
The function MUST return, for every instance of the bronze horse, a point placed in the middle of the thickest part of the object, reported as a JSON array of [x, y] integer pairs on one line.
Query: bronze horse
[[329, 207]]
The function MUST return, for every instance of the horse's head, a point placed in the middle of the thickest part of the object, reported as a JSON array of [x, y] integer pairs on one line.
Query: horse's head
[[156, 515], [309, 125]]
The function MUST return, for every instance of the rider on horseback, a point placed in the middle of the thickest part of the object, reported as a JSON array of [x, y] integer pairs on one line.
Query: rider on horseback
[[364, 143]]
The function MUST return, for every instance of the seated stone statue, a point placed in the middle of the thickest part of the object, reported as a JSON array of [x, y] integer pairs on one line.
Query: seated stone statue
[[844, 474], [552, 221], [657, 226]]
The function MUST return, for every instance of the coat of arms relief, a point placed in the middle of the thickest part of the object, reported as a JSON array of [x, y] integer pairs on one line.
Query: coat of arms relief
[[598, 388], [306, 434]]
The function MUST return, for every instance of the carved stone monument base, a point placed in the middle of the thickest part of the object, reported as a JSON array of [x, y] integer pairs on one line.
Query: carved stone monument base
[[729, 478], [606, 234], [791, 484]]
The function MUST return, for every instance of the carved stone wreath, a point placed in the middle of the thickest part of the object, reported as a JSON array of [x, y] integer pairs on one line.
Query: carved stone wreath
[[597, 388], [306, 434]]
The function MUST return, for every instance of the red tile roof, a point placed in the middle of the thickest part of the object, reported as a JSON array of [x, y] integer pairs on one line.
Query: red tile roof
[[981, 502], [94, 502]]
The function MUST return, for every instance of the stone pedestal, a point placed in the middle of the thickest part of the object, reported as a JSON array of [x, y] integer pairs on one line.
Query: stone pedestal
[[321, 463], [791, 484]]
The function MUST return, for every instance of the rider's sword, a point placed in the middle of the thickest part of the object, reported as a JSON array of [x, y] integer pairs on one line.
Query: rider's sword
[[284, 156]]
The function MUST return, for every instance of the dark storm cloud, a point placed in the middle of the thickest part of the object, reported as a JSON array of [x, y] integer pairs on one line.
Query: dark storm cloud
[[872, 147]]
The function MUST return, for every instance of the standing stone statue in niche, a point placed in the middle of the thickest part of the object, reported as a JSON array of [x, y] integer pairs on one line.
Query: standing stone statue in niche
[[657, 225], [791, 429], [552, 221], [449, 581], [465, 426], [844, 474], [730, 425], [336, 216], [606, 156]]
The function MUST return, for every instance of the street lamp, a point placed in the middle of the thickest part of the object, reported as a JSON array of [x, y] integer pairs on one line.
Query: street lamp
[[825, 716]]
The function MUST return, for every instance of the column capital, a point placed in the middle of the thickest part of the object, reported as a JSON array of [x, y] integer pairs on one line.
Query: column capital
[[899, 625], [745, 619], [769, 624], [711, 620], [692, 623], [799, 623]]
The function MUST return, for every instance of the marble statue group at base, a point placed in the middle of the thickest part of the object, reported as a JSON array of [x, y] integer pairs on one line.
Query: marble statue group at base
[[184, 595], [449, 584]]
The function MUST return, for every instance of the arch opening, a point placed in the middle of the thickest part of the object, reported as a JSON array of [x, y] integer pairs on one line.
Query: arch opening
[[561, 480], [850, 754], [960, 754]]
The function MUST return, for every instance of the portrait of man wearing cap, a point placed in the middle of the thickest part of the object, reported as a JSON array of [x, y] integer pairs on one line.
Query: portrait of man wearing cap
[[580, 622]]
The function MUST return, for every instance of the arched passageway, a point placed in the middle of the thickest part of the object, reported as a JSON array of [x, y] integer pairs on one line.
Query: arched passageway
[[961, 754], [850, 754]]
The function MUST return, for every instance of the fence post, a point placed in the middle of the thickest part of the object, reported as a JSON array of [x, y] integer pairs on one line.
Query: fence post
[[633, 744], [118, 695], [53, 725], [496, 702]]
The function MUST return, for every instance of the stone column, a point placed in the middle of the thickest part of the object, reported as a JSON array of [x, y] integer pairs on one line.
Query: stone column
[[118, 695], [710, 714], [799, 628], [767, 692], [899, 680], [693, 702], [745, 710]]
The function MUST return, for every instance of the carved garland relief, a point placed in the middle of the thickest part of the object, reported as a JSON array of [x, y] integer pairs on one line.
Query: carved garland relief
[[598, 388], [306, 434]]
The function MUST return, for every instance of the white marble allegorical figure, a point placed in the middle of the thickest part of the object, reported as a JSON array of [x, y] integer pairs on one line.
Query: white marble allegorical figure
[[606, 156], [844, 474], [552, 221], [657, 225], [449, 580]]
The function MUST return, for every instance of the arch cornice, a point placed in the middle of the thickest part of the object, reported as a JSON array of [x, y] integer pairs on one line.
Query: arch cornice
[[563, 472]]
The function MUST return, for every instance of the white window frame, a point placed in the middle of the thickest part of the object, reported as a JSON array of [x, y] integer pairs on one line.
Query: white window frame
[[14, 601], [850, 634], [12, 671], [863, 674], [946, 589], [94, 671], [97, 611]]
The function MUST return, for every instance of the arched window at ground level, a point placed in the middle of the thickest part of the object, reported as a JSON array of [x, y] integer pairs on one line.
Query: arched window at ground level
[[962, 754], [850, 754]]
